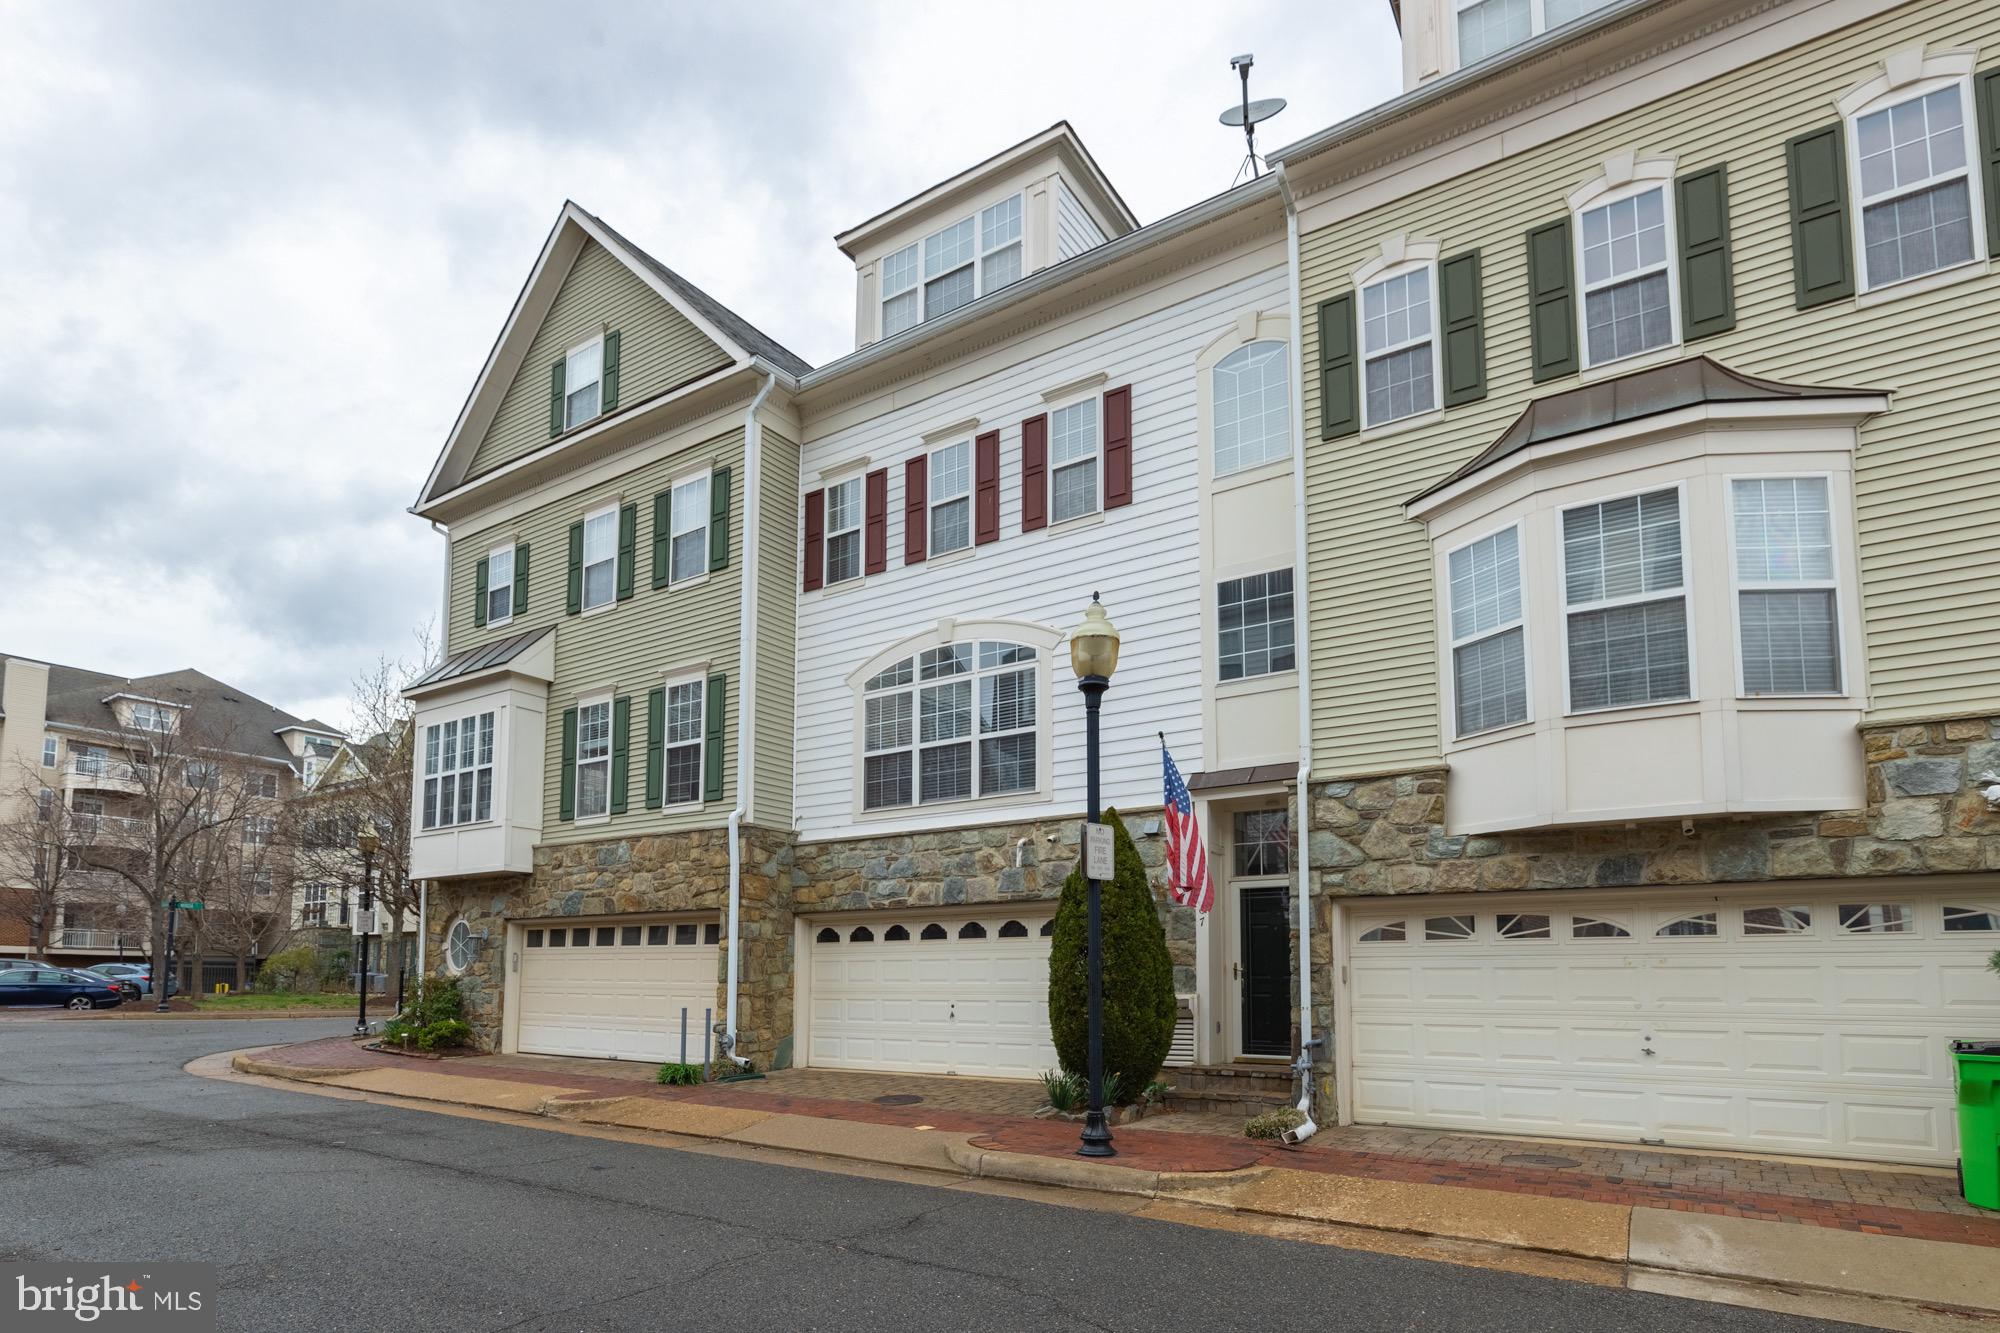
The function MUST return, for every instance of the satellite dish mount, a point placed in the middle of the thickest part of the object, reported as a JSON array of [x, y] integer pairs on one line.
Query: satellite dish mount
[[1249, 115]]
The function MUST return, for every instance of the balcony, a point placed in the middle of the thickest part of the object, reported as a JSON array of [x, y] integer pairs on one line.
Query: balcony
[[87, 937], [102, 775], [113, 830]]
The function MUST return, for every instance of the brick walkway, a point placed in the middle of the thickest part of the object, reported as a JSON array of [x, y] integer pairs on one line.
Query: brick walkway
[[1922, 1204]]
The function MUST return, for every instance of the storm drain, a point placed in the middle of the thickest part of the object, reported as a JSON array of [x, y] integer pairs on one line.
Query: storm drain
[[898, 1099]]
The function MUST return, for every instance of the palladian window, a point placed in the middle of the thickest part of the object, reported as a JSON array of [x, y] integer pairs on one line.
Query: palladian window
[[952, 723]]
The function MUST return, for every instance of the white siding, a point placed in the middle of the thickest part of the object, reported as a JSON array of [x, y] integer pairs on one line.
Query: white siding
[[1075, 232], [1142, 558]]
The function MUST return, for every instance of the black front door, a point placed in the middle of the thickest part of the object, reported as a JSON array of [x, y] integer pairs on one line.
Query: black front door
[[1264, 938]]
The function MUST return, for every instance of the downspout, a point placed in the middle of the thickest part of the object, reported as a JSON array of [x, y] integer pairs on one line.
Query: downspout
[[746, 706], [424, 885], [1306, 1128]]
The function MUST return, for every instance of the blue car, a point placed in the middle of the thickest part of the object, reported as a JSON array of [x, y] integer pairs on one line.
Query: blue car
[[49, 986], [139, 974]]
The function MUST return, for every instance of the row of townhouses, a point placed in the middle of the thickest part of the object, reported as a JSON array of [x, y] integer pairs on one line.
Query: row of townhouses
[[1549, 517]]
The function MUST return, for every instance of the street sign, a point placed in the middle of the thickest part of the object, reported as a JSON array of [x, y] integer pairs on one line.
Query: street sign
[[1097, 847], [364, 923], [194, 906]]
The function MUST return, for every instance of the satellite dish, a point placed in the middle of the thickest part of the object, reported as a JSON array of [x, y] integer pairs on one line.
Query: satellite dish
[[1256, 113]]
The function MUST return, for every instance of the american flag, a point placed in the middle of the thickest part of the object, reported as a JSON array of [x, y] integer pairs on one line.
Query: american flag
[[1187, 860]]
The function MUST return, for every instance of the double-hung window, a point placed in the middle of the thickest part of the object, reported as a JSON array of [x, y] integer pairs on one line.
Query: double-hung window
[[1252, 407], [583, 375], [1489, 637], [1254, 634], [600, 557], [1628, 297], [48, 752], [458, 771], [951, 497], [1399, 347], [259, 830], [682, 739], [1487, 26], [951, 723], [950, 279], [1073, 465], [152, 717], [901, 308], [1917, 194], [688, 556], [1787, 606], [843, 531], [1000, 244], [953, 266], [500, 585], [593, 760], [1625, 601]]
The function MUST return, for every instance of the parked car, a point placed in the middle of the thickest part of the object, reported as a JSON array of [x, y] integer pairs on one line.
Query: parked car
[[127, 986], [8, 964], [139, 973], [54, 986]]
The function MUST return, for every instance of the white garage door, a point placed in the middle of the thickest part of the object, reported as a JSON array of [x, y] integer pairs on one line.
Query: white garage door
[[933, 995], [611, 988], [1812, 1023]]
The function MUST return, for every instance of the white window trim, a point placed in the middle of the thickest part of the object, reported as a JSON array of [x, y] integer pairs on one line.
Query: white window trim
[[1383, 273], [1265, 679], [916, 285], [698, 679], [507, 549], [610, 746], [51, 752], [980, 254], [1626, 176], [1564, 610], [569, 389], [1947, 70], [931, 504], [1835, 585], [1096, 460], [583, 579], [860, 529], [1452, 643], [707, 511]]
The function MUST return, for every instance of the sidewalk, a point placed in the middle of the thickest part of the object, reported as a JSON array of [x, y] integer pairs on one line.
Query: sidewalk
[[1901, 1235]]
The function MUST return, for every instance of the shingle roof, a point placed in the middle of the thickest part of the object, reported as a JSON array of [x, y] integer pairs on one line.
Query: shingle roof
[[747, 335], [251, 726], [1643, 393], [484, 657]]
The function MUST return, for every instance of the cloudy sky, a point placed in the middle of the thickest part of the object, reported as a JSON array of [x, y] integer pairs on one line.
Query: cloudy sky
[[254, 253]]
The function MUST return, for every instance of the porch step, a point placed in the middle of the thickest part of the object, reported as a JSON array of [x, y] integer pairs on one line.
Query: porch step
[[1250, 1089]]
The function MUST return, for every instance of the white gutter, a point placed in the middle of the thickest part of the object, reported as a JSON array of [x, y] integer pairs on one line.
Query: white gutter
[[1303, 860], [746, 696]]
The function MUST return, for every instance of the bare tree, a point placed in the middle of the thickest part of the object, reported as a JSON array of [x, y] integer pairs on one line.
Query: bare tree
[[246, 875], [45, 846]]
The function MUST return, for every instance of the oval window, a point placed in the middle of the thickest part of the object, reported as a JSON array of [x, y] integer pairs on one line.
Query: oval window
[[458, 946]]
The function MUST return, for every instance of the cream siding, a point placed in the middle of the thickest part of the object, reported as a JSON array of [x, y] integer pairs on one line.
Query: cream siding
[[1143, 558], [659, 349], [629, 645], [1075, 231], [777, 605], [1927, 474]]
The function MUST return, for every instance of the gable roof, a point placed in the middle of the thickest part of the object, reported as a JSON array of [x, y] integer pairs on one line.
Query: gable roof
[[574, 226]]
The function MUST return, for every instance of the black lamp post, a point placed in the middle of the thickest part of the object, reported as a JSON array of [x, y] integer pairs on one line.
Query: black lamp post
[[1093, 655], [366, 841]]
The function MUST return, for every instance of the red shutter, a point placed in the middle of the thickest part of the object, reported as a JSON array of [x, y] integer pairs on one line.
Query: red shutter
[[1034, 473], [986, 488], [916, 490], [815, 539], [1118, 447], [876, 539]]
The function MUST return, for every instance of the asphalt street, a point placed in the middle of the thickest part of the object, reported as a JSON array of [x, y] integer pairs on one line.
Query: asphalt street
[[326, 1214]]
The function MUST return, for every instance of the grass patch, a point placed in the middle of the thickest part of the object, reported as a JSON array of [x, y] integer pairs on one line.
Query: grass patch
[[285, 1000]]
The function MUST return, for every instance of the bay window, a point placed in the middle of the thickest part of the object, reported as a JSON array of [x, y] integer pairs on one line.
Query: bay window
[[600, 557], [1489, 650], [951, 497], [1787, 613], [1073, 465], [593, 760], [1625, 603], [458, 771], [952, 722]]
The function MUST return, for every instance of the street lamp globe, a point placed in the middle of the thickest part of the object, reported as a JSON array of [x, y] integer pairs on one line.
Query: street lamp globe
[[1093, 645], [367, 840]]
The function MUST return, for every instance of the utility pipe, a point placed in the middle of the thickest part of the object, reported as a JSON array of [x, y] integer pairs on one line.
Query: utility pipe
[[746, 706]]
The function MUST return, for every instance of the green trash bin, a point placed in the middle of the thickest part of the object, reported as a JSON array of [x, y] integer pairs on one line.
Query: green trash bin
[[1978, 1121]]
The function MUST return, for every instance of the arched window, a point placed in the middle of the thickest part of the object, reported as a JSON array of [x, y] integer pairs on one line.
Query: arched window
[[952, 723], [972, 930], [896, 934], [1013, 930], [861, 935], [1252, 405], [933, 932], [827, 935]]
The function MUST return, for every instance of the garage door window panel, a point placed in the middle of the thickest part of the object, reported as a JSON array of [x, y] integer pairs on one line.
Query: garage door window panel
[[1389, 932], [1449, 928], [534, 939], [1624, 573], [1596, 928], [1777, 921], [1876, 918], [896, 935], [1985, 918], [1695, 925]]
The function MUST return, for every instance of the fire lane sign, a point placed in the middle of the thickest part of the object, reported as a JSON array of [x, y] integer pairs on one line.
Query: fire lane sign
[[1097, 852]]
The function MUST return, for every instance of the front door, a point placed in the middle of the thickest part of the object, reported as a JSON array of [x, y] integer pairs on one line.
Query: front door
[[1263, 938]]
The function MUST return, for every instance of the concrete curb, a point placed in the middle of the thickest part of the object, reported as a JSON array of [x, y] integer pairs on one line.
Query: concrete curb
[[153, 1016], [992, 1164], [250, 1064]]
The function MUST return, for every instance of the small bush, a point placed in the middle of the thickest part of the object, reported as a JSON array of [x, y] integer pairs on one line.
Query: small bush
[[293, 969], [433, 1016], [677, 1075], [1065, 1091], [1156, 1092], [1273, 1124], [1994, 962]]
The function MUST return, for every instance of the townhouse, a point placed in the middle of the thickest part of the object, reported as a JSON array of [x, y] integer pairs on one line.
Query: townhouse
[[1651, 471]]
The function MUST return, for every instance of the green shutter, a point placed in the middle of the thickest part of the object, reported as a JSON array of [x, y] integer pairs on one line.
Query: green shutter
[[718, 518], [520, 577], [575, 568], [621, 751], [628, 541], [1708, 288], [1822, 247], [1463, 322], [568, 797], [479, 592], [1986, 100], [656, 746], [711, 741], [1552, 301], [662, 536], [609, 392], [1339, 384], [556, 400]]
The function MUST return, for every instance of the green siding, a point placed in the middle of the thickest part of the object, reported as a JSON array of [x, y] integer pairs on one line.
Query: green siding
[[658, 350], [1927, 473], [627, 645], [777, 593]]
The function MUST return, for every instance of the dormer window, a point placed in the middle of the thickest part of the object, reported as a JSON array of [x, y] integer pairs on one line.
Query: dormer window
[[953, 266], [583, 375], [1489, 26], [152, 717]]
